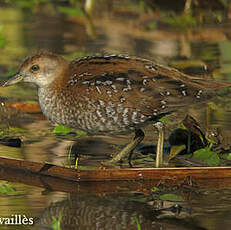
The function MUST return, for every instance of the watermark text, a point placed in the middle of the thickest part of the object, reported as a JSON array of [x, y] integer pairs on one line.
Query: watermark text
[[16, 219]]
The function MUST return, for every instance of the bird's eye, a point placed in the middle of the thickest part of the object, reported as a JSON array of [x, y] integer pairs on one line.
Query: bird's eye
[[34, 68]]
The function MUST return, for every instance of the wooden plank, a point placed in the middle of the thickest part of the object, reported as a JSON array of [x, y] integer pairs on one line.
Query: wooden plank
[[138, 174], [57, 184]]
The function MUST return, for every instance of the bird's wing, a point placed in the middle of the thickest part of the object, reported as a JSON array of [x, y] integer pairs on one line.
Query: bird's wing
[[137, 83]]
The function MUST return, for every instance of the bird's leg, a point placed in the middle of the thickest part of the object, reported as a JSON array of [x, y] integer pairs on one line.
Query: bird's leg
[[128, 149], [160, 143]]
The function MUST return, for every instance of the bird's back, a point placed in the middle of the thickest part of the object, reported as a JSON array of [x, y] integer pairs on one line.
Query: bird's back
[[116, 93]]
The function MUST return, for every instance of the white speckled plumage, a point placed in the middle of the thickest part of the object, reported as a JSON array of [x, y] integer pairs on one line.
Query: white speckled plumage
[[111, 93]]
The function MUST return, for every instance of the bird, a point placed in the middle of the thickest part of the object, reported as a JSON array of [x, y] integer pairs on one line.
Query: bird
[[111, 94]]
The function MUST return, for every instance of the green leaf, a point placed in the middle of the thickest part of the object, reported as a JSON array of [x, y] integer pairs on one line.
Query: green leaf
[[138, 224], [6, 189], [81, 133], [170, 197], [56, 222], [141, 200], [207, 156], [165, 120], [229, 157], [70, 11], [61, 129]]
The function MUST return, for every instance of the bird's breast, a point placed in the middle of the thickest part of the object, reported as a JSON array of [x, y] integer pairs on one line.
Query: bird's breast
[[88, 114]]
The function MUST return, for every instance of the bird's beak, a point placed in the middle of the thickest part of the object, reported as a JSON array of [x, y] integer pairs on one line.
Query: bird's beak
[[13, 79]]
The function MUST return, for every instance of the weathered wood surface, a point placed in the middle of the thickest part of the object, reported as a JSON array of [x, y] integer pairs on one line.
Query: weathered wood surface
[[116, 174], [56, 178]]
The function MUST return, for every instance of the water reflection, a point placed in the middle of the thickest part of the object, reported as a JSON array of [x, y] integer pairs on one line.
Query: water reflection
[[203, 210], [94, 212]]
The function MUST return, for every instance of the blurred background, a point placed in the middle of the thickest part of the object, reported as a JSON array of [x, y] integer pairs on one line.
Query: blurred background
[[193, 36]]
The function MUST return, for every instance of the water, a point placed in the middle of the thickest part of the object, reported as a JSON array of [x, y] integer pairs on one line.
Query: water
[[128, 27]]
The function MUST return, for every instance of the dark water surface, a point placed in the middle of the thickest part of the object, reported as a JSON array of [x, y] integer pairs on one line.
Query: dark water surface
[[199, 44]]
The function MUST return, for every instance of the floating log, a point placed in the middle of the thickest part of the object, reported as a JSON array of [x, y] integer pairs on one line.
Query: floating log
[[106, 174], [57, 178]]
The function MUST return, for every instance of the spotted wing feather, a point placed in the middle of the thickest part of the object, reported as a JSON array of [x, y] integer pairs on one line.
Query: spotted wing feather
[[136, 83]]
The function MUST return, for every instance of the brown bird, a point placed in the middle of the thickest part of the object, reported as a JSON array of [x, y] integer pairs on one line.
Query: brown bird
[[111, 94]]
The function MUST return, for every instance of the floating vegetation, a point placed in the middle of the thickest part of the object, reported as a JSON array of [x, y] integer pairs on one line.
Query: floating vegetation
[[170, 197], [64, 130], [138, 224], [207, 156], [6, 189], [61, 130], [56, 222]]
